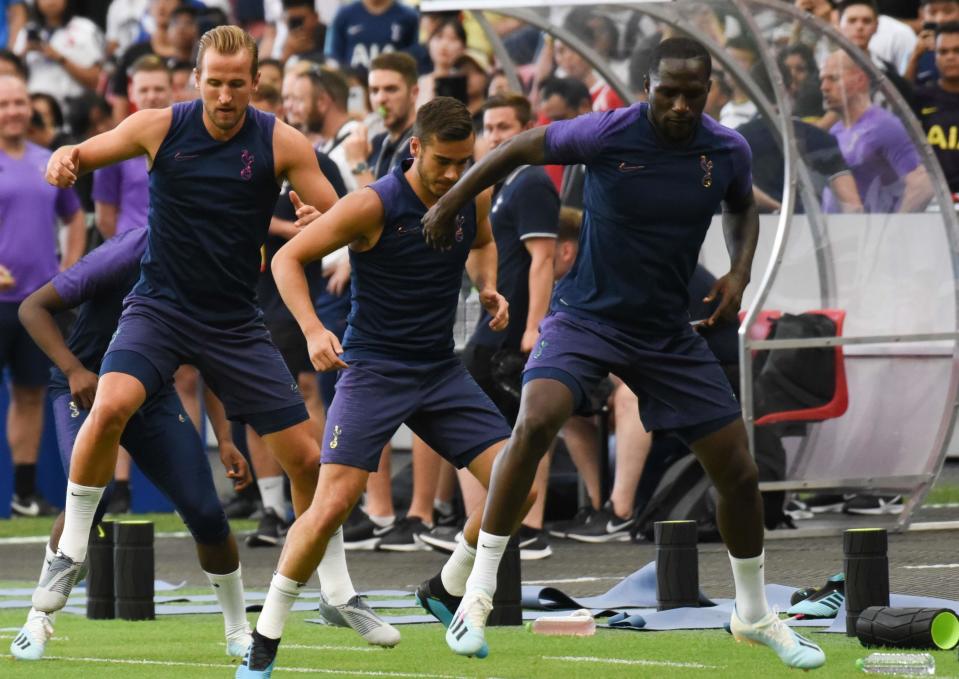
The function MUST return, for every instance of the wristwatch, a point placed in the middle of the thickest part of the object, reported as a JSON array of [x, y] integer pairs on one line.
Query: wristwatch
[[360, 167]]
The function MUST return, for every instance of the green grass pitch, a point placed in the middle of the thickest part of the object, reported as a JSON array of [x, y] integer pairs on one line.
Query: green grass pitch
[[192, 647]]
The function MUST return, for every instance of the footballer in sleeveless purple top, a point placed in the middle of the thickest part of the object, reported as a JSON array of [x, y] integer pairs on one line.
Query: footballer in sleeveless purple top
[[216, 169], [396, 361], [656, 174]]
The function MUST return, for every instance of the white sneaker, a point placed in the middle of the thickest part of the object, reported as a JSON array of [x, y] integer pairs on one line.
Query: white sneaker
[[792, 648], [466, 634], [238, 642], [356, 613], [55, 586], [30, 643]]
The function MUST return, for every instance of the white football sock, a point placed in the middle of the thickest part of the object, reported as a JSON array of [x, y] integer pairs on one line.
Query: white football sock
[[228, 588], [749, 577], [276, 609], [271, 491], [334, 577], [82, 504], [489, 552], [457, 569]]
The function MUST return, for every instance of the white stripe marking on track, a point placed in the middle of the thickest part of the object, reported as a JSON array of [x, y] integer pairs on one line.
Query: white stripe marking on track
[[932, 565], [218, 666], [623, 661]]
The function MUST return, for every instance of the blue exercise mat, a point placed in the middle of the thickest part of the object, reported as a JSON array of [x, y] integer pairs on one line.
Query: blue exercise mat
[[636, 591]]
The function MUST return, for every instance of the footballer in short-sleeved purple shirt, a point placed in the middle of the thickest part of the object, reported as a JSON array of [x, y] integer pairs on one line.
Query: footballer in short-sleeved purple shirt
[[646, 214], [29, 208], [126, 185], [879, 153]]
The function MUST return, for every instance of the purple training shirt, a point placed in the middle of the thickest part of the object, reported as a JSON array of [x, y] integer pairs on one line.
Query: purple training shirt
[[126, 185], [29, 208], [879, 153]]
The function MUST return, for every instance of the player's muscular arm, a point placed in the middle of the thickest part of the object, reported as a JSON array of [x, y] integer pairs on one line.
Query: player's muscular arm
[[526, 148], [296, 160], [36, 315], [741, 228], [356, 219], [481, 265], [142, 133]]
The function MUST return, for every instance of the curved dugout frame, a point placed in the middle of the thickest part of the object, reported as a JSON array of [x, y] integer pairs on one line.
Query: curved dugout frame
[[797, 178]]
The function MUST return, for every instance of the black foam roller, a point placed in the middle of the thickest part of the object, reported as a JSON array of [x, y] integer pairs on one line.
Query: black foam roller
[[925, 628], [101, 600], [507, 602], [866, 566], [133, 570], [677, 564]]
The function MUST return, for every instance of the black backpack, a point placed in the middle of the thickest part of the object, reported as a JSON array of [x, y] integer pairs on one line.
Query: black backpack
[[684, 493], [792, 379]]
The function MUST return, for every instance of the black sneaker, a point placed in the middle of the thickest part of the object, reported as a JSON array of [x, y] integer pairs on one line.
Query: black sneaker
[[442, 538], [560, 529], [603, 526], [260, 658], [873, 505], [33, 505], [120, 502], [797, 510], [439, 603], [403, 537], [271, 531], [533, 544], [451, 518], [239, 507], [365, 535], [822, 503]]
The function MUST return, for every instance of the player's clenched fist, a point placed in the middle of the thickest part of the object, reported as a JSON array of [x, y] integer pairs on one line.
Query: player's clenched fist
[[325, 350], [64, 167], [497, 307]]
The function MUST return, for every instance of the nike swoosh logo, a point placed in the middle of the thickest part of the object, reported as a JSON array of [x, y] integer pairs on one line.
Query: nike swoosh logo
[[382, 531], [616, 527], [353, 30], [928, 110], [179, 155], [626, 167], [78, 494]]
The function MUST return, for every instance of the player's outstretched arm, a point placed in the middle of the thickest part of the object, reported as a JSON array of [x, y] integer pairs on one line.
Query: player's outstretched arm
[[741, 228], [482, 263], [36, 315], [526, 148], [296, 160], [356, 219], [142, 133]]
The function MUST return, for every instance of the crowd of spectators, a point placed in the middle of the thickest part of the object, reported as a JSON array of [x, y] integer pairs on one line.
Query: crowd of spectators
[[351, 75]]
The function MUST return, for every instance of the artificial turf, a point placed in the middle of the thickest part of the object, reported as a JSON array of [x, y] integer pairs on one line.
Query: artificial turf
[[192, 646]]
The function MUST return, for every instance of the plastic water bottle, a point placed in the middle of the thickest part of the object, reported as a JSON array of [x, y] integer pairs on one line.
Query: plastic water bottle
[[907, 664], [579, 624]]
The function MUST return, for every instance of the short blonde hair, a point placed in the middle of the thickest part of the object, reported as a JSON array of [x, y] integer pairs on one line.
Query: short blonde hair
[[228, 40]]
